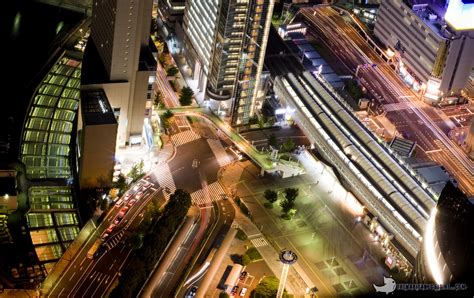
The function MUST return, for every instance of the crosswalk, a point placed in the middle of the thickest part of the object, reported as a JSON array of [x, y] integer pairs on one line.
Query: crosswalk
[[221, 155], [184, 137], [259, 242], [216, 193], [114, 240], [165, 179], [396, 106]]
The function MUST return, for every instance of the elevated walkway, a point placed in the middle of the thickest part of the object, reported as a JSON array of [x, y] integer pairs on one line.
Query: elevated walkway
[[283, 167]]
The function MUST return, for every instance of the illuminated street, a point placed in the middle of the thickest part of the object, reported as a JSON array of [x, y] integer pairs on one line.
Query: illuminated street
[[223, 149], [420, 119]]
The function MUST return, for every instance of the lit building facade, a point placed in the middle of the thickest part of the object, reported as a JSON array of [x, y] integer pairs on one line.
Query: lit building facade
[[200, 18], [434, 56], [120, 33], [238, 58]]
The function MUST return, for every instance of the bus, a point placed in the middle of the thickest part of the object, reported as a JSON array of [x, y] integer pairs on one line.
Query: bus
[[95, 249]]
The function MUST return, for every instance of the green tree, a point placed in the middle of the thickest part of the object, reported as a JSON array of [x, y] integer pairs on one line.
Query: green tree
[[246, 260], [158, 100], [241, 235], [120, 184], [253, 254], [167, 118], [172, 71], [186, 96], [270, 195], [288, 145], [223, 295], [272, 141], [162, 59], [268, 287], [291, 193], [137, 171], [286, 205]]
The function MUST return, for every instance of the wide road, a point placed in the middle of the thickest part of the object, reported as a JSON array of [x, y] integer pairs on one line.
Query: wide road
[[86, 277], [419, 122]]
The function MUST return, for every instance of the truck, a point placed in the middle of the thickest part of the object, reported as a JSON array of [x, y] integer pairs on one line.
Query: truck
[[94, 251]]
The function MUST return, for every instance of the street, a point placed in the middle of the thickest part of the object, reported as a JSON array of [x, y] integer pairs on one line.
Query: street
[[406, 111]]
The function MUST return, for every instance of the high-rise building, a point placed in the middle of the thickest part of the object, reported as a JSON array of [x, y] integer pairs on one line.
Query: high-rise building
[[238, 57], [171, 11], [200, 18], [433, 43], [120, 34], [446, 255]]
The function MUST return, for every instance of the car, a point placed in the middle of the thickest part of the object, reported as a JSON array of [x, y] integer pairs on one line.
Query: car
[[147, 185], [139, 195], [131, 202], [15, 273], [111, 228], [243, 275], [127, 196], [243, 291], [123, 211], [137, 187], [105, 236], [234, 290], [192, 292], [119, 203], [117, 219]]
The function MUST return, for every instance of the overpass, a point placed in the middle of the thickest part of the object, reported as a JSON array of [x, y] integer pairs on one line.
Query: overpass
[[384, 183], [263, 160]]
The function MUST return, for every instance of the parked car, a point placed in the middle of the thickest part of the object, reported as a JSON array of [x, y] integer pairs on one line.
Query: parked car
[[243, 291], [243, 275], [234, 290]]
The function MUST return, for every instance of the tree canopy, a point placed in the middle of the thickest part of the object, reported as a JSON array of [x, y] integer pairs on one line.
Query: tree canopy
[[186, 96], [270, 195]]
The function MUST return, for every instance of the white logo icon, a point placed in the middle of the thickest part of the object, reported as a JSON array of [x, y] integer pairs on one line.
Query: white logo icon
[[388, 287]]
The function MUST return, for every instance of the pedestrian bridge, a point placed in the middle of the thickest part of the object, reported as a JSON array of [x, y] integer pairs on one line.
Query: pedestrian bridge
[[263, 159], [382, 181]]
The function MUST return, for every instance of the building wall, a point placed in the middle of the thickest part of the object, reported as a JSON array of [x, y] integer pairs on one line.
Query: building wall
[[119, 29], [98, 154], [237, 60], [396, 22], [200, 19], [424, 51], [459, 63]]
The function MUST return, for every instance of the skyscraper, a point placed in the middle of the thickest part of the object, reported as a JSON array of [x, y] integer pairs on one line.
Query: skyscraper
[[237, 58], [200, 18], [120, 33]]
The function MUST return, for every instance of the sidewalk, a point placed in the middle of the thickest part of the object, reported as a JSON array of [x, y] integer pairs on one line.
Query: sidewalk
[[229, 177], [337, 255], [131, 155]]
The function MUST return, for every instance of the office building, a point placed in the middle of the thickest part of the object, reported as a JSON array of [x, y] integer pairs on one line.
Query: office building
[[433, 44], [200, 18], [171, 11], [446, 255], [238, 58], [120, 38], [97, 135]]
